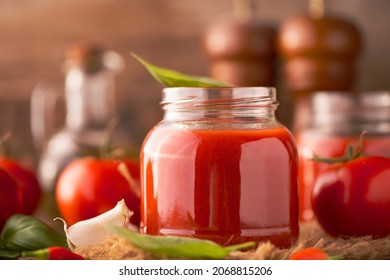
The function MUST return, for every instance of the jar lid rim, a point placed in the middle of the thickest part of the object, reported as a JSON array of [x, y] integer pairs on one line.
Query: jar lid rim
[[199, 93], [329, 101]]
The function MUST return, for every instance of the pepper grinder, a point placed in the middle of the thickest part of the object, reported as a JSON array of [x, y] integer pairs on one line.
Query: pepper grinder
[[241, 49], [319, 51]]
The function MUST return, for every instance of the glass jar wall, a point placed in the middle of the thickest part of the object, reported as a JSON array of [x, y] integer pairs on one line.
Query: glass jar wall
[[219, 166]]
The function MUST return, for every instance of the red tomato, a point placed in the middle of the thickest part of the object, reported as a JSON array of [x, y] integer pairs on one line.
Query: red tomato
[[9, 197], [29, 188], [353, 198], [310, 253], [88, 187]]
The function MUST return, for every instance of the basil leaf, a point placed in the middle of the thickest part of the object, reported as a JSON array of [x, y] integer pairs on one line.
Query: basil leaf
[[171, 78], [22, 233], [6, 254], [175, 246]]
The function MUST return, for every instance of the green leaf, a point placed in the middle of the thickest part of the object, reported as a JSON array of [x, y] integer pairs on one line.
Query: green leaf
[[6, 254], [171, 78], [175, 246], [22, 233]]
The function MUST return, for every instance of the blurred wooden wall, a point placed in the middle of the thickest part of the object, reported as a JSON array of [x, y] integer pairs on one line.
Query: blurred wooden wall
[[35, 33]]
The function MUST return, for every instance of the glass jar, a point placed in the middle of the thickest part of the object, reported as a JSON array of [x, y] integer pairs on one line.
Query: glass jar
[[336, 120], [219, 166]]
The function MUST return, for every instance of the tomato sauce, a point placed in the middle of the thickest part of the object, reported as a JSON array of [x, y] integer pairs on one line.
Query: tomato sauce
[[327, 146], [229, 186]]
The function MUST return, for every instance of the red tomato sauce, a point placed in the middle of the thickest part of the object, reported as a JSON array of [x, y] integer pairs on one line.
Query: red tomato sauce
[[229, 186], [327, 146]]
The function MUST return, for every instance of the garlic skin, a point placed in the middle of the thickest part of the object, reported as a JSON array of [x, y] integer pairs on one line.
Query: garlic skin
[[92, 232]]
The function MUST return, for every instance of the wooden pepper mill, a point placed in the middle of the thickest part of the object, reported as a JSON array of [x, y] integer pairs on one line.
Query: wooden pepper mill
[[319, 50], [241, 50]]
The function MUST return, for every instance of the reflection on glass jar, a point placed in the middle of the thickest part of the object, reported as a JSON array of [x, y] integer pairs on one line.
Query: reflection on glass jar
[[338, 119], [220, 166]]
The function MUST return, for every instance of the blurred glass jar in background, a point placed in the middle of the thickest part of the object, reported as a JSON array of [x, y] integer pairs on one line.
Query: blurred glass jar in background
[[88, 105], [335, 120]]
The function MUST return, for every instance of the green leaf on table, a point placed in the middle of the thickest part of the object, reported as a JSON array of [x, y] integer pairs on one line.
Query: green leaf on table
[[175, 246], [6, 254], [172, 78], [22, 233]]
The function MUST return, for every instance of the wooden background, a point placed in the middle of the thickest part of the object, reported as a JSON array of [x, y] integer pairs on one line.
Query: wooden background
[[35, 33]]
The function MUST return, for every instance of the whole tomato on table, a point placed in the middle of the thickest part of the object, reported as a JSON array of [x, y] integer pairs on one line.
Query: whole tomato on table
[[353, 198], [19, 189], [310, 253], [30, 190], [90, 186], [9, 197]]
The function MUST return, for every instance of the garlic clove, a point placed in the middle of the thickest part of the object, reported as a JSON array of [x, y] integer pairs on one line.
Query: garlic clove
[[92, 232]]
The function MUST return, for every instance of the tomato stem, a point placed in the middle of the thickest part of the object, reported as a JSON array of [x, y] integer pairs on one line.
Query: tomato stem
[[351, 152], [5, 144], [124, 171], [108, 136]]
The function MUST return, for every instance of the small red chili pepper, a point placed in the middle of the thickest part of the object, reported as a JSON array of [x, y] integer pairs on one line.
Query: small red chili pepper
[[52, 253], [310, 253]]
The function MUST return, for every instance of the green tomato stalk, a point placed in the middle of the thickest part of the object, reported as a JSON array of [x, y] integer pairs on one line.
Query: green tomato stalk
[[351, 152]]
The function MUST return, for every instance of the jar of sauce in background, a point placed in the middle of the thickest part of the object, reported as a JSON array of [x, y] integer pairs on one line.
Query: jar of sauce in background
[[338, 119], [219, 166]]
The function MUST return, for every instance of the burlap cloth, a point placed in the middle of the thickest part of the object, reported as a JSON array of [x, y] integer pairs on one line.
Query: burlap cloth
[[366, 248]]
